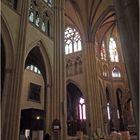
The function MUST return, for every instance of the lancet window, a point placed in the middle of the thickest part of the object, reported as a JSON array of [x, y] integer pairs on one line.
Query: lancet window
[[113, 50], [103, 51]]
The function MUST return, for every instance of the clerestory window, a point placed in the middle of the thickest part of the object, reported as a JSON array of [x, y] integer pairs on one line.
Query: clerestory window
[[103, 51], [113, 50], [72, 41]]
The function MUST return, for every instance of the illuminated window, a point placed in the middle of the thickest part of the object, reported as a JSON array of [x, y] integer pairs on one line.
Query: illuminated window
[[33, 68], [82, 109], [108, 111], [72, 41], [108, 104], [118, 114], [28, 67], [116, 72], [104, 73], [103, 51], [38, 18], [31, 17], [113, 51]]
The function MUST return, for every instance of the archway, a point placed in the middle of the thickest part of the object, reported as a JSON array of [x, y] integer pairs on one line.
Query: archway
[[34, 109], [7, 57], [76, 110]]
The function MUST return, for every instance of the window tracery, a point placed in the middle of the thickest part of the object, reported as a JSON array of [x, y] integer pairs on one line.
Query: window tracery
[[40, 16], [72, 41], [74, 66]]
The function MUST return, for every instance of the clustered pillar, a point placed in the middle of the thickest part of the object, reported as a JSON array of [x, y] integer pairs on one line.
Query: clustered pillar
[[58, 97], [94, 101], [11, 103]]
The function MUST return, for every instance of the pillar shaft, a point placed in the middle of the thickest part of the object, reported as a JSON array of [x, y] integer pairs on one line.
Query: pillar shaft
[[95, 110], [11, 104], [128, 21], [58, 71]]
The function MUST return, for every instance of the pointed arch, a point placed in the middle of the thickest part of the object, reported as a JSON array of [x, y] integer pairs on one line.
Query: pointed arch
[[8, 49], [9, 64], [8, 43], [45, 59], [75, 83], [76, 109]]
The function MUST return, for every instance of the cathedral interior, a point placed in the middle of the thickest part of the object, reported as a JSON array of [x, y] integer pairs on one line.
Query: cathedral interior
[[67, 69]]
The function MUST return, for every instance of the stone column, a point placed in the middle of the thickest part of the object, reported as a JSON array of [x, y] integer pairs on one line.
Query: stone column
[[59, 94], [93, 93], [11, 105], [128, 20]]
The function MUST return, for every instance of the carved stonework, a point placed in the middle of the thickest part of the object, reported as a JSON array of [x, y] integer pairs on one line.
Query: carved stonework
[[74, 66], [40, 15]]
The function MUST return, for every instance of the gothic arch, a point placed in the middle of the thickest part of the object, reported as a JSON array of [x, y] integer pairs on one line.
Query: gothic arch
[[76, 84], [46, 59], [9, 63], [76, 109], [9, 52], [36, 54], [8, 43]]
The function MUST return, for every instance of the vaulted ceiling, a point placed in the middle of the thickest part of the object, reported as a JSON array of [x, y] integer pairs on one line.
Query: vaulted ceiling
[[88, 15]]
